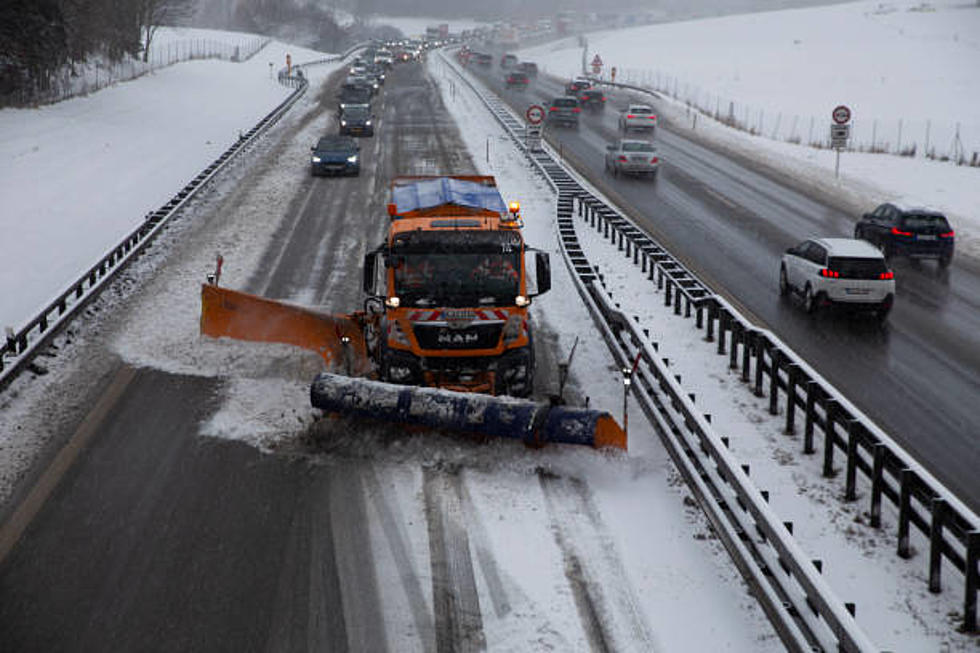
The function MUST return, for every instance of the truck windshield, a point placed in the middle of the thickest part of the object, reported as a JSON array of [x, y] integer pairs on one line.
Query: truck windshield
[[457, 279]]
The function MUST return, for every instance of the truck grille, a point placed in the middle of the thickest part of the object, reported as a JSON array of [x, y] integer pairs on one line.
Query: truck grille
[[475, 336]]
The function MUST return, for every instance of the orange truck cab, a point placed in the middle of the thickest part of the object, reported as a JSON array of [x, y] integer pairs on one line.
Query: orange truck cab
[[455, 297]]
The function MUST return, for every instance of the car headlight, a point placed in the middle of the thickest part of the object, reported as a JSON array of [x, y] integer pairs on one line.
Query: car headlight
[[316, 159], [352, 158], [367, 122], [343, 123]]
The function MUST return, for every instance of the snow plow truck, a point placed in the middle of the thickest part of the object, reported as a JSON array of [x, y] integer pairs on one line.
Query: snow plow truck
[[445, 339]]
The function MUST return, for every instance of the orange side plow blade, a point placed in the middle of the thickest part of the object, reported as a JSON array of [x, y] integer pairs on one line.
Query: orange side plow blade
[[233, 314]]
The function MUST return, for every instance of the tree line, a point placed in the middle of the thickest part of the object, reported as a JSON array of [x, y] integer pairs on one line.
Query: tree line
[[39, 39]]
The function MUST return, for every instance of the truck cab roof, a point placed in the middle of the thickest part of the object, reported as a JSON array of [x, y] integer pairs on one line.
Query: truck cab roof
[[451, 196]]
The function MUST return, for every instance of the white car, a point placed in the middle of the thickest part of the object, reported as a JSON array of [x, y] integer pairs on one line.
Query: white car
[[640, 117], [838, 271], [632, 157]]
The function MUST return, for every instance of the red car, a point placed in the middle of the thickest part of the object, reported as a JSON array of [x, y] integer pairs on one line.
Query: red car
[[517, 80]]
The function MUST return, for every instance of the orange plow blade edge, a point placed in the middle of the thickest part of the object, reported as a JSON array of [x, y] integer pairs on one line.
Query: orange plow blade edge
[[234, 314]]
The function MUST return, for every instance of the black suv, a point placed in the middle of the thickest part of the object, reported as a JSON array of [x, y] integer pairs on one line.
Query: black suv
[[912, 232]]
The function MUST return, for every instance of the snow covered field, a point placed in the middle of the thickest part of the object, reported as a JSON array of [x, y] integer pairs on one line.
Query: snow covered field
[[77, 176], [893, 61]]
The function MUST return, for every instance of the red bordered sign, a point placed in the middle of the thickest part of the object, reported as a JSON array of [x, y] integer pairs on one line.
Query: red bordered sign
[[841, 114], [535, 114]]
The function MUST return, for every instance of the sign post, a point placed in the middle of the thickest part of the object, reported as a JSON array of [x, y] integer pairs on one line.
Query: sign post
[[596, 65], [532, 131], [840, 131]]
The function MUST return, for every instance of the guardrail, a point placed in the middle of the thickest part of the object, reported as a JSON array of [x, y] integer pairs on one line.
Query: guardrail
[[20, 349], [952, 529]]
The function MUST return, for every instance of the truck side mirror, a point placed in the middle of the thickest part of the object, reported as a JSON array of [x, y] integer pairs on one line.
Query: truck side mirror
[[542, 269], [370, 272]]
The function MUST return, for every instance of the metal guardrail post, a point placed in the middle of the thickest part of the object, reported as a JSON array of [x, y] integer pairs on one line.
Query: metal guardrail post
[[791, 372], [850, 483], [939, 509], [877, 483], [904, 513], [760, 367], [812, 388], [721, 331], [829, 436], [747, 337], [774, 358], [972, 581]]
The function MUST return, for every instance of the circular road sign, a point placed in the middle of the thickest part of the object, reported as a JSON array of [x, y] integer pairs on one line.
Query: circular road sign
[[841, 114], [535, 114]]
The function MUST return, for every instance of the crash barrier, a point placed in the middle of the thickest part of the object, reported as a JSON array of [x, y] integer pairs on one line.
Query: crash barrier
[[20, 349], [922, 501]]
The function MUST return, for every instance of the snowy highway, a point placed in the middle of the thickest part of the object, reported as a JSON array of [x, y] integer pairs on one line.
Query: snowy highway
[[157, 539], [205, 506]]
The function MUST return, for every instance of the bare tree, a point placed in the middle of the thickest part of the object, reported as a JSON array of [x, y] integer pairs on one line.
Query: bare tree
[[151, 14]]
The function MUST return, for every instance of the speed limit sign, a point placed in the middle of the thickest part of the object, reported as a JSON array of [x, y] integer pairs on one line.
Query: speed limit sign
[[535, 114], [841, 114]]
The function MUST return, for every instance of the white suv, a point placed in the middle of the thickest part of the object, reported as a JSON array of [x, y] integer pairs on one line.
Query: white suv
[[842, 271], [640, 117]]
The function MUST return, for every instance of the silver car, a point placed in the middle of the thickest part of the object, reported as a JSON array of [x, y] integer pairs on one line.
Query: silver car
[[639, 117], [632, 157]]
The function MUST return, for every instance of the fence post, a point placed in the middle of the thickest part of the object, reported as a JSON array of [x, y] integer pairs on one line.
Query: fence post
[[747, 339]]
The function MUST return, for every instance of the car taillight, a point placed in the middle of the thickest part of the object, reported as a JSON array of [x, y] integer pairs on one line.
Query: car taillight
[[553, 109], [830, 274], [576, 110], [898, 232], [948, 234], [621, 158], [654, 160], [652, 117], [630, 115], [884, 276], [603, 98]]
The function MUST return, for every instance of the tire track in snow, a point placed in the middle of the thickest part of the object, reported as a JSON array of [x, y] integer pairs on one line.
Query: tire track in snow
[[459, 623], [610, 614]]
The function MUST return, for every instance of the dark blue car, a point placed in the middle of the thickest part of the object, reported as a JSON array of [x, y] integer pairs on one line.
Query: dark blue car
[[335, 155], [906, 231]]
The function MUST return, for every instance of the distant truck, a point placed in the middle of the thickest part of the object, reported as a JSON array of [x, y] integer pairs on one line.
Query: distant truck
[[455, 294]]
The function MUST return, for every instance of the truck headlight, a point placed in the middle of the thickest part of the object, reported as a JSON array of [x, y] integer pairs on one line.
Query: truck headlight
[[522, 301], [352, 158], [316, 159], [343, 123], [367, 123]]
